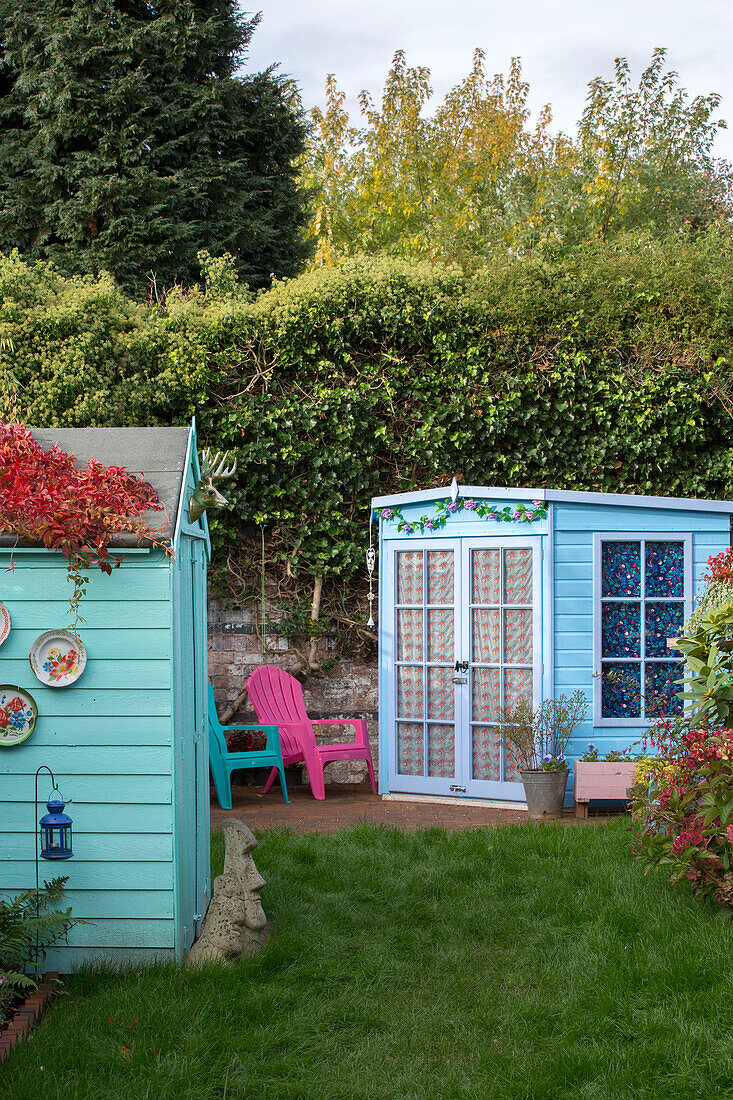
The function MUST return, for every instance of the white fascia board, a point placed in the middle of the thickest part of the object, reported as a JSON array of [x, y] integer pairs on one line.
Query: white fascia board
[[569, 496]]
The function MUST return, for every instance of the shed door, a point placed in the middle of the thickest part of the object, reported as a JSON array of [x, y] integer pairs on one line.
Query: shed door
[[467, 641]]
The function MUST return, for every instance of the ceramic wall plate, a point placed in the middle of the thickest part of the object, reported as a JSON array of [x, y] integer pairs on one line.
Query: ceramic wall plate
[[18, 715], [58, 657], [4, 622]]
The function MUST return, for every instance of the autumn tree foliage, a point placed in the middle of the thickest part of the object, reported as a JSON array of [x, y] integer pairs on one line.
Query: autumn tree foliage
[[474, 174]]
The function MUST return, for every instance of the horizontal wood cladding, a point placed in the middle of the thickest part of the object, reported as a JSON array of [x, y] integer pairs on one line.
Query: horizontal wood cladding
[[93, 875], [114, 847], [101, 643], [105, 761], [134, 615], [122, 790]]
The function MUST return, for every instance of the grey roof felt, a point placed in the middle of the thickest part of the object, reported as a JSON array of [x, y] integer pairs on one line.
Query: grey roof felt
[[159, 454]]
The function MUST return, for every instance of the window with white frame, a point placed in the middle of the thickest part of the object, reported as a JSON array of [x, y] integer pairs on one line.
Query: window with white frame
[[642, 598]]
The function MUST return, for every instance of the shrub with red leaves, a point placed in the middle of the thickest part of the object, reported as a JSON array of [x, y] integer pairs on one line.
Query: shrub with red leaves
[[721, 566]]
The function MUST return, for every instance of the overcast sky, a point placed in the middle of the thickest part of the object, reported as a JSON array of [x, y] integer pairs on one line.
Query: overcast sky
[[563, 44]]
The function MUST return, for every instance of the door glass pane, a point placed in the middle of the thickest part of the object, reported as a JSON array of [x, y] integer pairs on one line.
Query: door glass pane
[[486, 753], [409, 576], [409, 635], [441, 645], [518, 637], [518, 576], [440, 576], [621, 629], [409, 691], [511, 771], [441, 751], [441, 694], [663, 621], [664, 573], [517, 686], [410, 748], [486, 634], [485, 694], [485, 576]]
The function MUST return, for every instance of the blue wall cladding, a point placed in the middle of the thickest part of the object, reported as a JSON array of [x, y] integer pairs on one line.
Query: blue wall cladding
[[621, 569]]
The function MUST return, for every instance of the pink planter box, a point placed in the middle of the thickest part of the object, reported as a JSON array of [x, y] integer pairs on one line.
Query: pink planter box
[[600, 779]]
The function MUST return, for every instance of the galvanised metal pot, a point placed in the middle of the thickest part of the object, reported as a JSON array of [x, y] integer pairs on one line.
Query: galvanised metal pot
[[545, 792]]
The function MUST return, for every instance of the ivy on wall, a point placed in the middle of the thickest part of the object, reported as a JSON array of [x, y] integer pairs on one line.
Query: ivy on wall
[[609, 371]]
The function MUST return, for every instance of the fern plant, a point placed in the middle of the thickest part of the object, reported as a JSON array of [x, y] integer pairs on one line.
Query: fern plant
[[29, 924]]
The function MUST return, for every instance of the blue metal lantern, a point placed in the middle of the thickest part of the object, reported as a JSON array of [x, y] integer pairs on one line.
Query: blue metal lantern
[[55, 831]]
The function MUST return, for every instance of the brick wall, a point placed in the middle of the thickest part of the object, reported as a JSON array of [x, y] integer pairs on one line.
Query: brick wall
[[348, 690]]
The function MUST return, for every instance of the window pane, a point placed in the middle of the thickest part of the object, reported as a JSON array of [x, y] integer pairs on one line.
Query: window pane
[[409, 635], [517, 686], [410, 748], [665, 569], [485, 694], [518, 576], [518, 637], [441, 751], [663, 621], [441, 693], [621, 629], [661, 697], [409, 692], [621, 569], [440, 576], [486, 635], [486, 753], [485, 576], [441, 646], [409, 576], [620, 690]]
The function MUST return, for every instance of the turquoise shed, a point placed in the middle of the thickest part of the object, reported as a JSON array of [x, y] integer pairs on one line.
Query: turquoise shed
[[128, 741], [491, 595]]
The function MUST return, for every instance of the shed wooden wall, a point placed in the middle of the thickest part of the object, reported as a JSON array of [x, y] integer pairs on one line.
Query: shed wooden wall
[[108, 739], [573, 528]]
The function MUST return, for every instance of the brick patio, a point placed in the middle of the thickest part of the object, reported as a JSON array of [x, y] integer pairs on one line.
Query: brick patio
[[348, 804]]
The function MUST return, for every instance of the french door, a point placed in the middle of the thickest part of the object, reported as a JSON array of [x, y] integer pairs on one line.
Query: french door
[[467, 631]]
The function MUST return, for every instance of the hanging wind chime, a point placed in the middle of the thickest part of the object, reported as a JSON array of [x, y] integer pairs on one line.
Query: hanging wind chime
[[371, 558]]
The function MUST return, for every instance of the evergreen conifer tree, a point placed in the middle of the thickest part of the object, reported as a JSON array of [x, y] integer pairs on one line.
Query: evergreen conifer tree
[[128, 142]]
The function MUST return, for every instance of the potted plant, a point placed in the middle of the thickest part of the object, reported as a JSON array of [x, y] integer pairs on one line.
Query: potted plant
[[609, 777], [536, 739]]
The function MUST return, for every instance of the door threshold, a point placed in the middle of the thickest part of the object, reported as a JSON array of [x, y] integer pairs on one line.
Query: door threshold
[[447, 800]]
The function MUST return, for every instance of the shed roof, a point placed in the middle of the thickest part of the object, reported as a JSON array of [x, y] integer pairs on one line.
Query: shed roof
[[158, 454], [569, 496]]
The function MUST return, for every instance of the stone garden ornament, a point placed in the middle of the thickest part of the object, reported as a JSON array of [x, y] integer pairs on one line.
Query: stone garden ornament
[[235, 923], [213, 468]]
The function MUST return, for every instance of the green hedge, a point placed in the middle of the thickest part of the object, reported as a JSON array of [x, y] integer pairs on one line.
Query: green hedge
[[609, 371]]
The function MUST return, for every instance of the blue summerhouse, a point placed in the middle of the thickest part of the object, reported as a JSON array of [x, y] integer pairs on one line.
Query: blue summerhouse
[[492, 595], [127, 741]]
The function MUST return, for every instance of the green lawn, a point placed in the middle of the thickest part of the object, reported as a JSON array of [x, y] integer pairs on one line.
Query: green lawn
[[531, 961]]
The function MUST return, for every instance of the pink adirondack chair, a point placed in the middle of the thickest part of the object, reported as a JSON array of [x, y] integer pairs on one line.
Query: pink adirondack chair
[[278, 700]]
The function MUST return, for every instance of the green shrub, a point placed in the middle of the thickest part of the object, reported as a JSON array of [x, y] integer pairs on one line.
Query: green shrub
[[29, 925], [609, 370]]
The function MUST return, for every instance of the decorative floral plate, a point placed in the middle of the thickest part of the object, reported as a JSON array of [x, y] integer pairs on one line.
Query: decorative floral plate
[[58, 657], [18, 714], [4, 622]]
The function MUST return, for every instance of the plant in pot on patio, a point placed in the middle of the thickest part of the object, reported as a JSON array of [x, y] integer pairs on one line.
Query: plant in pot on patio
[[536, 739]]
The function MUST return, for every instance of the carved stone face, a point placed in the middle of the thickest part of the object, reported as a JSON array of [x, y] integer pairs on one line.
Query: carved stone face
[[252, 880]]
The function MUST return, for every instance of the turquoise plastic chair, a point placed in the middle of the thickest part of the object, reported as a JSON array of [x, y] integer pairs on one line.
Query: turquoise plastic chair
[[223, 762]]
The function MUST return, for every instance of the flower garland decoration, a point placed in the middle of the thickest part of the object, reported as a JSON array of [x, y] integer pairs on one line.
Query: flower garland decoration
[[447, 508]]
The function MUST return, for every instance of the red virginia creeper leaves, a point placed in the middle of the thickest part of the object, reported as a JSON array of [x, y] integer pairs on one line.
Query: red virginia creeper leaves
[[45, 498]]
